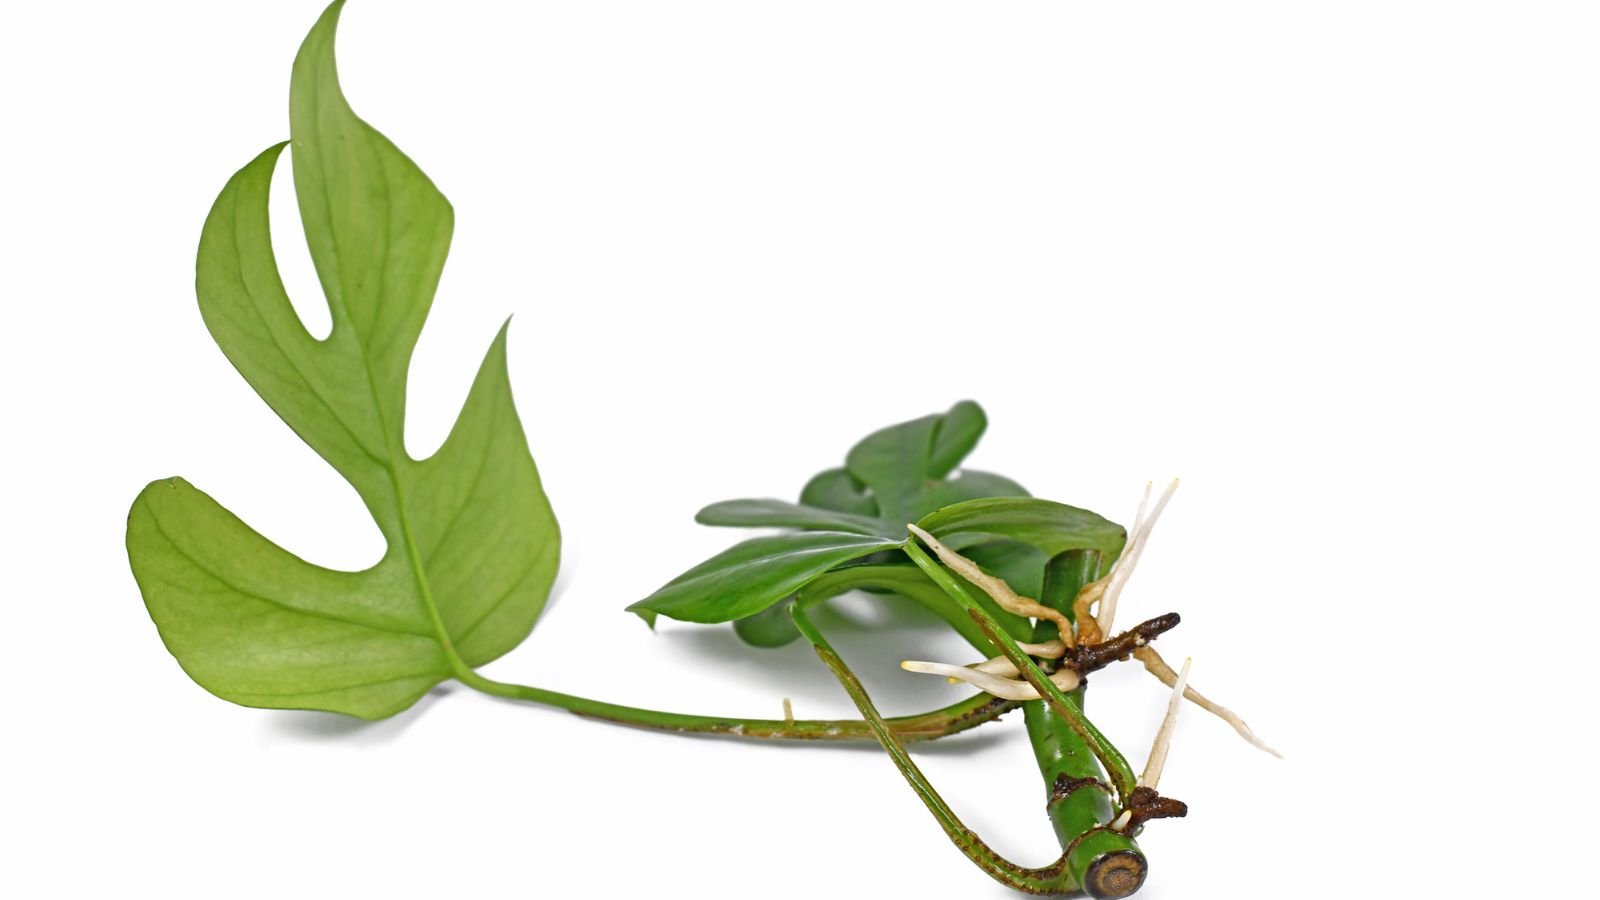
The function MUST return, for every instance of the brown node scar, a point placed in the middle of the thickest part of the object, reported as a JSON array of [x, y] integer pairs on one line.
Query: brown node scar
[[1145, 804], [1086, 657]]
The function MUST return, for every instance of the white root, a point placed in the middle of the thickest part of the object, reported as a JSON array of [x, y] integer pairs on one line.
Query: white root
[[1159, 668], [1006, 688], [1158, 750], [1003, 667], [1002, 593], [1123, 570]]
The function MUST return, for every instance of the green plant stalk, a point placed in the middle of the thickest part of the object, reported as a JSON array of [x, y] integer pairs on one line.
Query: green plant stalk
[[1055, 878], [1122, 776], [1077, 799], [938, 723], [926, 726]]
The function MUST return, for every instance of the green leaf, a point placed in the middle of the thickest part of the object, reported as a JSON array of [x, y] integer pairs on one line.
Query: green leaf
[[901, 466], [972, 485], [1020, 565], [472, 545], [783, 514], [957, 433], [771, 627], [899, 463], [893, 464], [1048, 526], [838, 490], [905, 580], [751, 576]]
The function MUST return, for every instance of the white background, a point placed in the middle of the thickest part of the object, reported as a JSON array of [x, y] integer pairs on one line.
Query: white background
[[1333, 264]]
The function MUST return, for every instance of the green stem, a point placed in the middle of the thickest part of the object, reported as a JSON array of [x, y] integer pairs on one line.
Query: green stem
[[952, 719], [926, 726], [1052, 879], [1105, 862], [1078, 798], [1115, 764]]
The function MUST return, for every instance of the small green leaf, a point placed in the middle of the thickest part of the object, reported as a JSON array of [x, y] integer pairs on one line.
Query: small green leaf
[[783, 514], [956, 435], [1020, 565], [751, 576], [893, 463], [472, 543], [972, 485], [905, 580], [899, 463], [771, 627], [1049, 526], [838, 490]]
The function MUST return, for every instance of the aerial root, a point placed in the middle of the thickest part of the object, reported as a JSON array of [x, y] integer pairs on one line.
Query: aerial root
[[1006, 688], [1003, 667], [1123, 570], [1159, 668], [996, 588], [1163, 742]]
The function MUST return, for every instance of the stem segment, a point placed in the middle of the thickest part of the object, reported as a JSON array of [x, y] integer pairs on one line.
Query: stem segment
[[1078, 800], [926, 726], [953, 719], [1052, 879]]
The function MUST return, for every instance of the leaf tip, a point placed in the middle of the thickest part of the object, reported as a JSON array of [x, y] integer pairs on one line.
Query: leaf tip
[[648, 615]]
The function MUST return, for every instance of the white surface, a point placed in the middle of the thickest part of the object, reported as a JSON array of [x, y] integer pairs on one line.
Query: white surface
[[1333, 265]]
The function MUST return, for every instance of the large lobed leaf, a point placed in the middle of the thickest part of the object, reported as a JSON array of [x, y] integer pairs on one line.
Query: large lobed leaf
[[472, 545]]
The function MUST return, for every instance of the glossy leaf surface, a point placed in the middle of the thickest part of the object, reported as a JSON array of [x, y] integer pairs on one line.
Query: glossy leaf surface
[[893, 476], [751, 576], [1050, 527], [783, 514]]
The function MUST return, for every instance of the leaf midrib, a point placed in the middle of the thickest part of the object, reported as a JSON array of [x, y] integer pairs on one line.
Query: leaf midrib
[[425, 591]]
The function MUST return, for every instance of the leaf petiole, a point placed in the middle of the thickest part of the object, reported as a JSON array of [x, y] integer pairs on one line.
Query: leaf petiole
[[938, 723], [1055, 878], [902, 580]]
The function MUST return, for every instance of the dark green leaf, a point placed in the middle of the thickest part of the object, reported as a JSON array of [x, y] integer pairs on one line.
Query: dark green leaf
[[971, 485], [838, 490], [1049, 526], [472, 544], [893, 464], [751, 576], [904, 580], [1020, 565], [899, 463], [783, 514], [957, 434], [771, 627]]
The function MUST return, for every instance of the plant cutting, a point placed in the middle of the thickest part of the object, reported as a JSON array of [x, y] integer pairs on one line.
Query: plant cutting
[[472, 545]]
